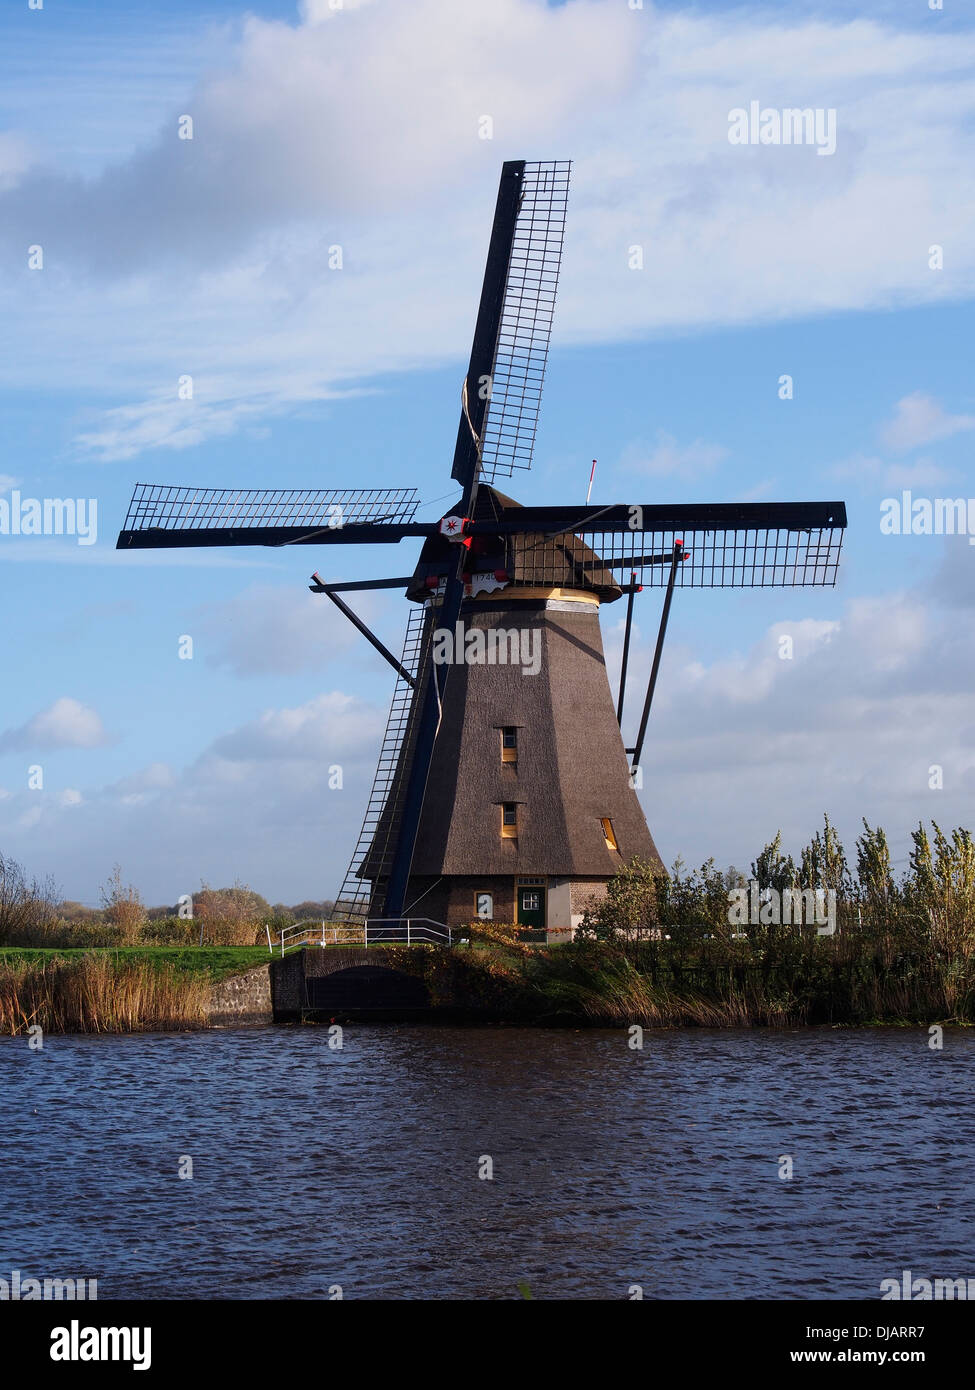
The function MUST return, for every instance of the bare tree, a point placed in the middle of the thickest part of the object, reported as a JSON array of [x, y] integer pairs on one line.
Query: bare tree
[[27, 908], [123, 906]]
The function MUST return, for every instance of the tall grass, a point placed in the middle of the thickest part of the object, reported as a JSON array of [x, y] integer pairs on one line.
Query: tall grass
[[835, 981], [613, 990], [768, 981], [97, 994], [55, 934]]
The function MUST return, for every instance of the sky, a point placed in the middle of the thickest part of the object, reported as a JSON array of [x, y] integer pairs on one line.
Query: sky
[[360, 125]]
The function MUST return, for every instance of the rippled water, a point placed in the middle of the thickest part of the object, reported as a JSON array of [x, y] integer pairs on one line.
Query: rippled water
[[612, 1167]]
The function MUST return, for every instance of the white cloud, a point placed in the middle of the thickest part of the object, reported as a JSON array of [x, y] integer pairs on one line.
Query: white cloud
[[277, 629], [256, 802], [920, 419], [333, 725], [144, 785], [759, 491], [666, 458], [850, 725], [15, 159], [359, 128], [46, 550], [170, 423], [871, 471], [65, 724], [922, 472]]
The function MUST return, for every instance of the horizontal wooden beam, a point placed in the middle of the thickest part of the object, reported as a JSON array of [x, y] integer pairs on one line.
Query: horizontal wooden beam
[[363, 533], [689, 516], [615, 519]]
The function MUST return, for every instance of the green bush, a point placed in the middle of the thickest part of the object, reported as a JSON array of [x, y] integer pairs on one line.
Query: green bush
[[170, 931], [66, 935]]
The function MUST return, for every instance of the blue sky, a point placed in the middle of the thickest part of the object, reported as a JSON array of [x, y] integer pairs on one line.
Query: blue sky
[[358, 128]]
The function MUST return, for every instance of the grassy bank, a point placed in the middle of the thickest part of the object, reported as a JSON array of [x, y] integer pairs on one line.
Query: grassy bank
[[770, 982], [212, 962], [125, 990]]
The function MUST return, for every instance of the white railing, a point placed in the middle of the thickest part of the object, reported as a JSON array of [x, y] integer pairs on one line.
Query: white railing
[[373, 932], [310, 933], [412, 930]]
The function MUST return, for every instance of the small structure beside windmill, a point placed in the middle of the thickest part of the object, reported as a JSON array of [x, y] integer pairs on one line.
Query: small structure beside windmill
[[503, 789]]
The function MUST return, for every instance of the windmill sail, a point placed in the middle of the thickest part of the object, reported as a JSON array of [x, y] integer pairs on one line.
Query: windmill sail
[[161, 516], [740, 545], [745, 558], [508, 436], [380, 824]]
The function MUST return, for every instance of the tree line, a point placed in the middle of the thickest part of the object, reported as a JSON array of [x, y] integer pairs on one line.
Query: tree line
[[34, 913]]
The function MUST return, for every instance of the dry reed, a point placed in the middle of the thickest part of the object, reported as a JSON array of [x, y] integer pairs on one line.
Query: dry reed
[[99, 994]]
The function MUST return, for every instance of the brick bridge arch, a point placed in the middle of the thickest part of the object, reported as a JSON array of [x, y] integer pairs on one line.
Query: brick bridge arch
[[345, 980]]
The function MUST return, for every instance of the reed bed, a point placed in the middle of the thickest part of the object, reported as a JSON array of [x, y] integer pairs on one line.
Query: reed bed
[[763, 983], [97, 994], [822, 982], [637, 1000]]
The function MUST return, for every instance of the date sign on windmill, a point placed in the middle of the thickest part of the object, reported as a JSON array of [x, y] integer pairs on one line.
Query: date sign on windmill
[[503, 789]]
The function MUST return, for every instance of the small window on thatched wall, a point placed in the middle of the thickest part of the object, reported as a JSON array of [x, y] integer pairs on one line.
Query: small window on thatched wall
[[610, 835], [509, 745], [509, 820]]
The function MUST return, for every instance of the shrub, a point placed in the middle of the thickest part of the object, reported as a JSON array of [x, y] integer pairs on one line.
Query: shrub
[[221, 932], [506, 934], [68, 935], [170, 931], [123, 908], [26, 906], [230, 916]]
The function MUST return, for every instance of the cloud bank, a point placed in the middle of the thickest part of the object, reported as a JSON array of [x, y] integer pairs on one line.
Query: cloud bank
[[360, 129]]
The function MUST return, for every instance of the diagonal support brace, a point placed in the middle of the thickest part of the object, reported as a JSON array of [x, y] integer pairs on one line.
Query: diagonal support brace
[[679, 554], [319, 588]]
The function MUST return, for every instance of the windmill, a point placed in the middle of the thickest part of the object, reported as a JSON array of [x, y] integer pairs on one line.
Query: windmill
[[503, 789]]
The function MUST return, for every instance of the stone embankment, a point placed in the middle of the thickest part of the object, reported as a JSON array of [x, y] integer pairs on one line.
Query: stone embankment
[[241, 999]]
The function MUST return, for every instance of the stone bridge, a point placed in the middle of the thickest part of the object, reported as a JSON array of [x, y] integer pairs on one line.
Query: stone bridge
[[342, 982]]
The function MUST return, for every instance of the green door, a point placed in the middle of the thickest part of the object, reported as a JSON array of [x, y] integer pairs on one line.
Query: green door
[[531, 908]]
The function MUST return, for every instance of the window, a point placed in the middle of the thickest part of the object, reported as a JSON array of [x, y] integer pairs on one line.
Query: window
[[509, 820], [610, 837], [509, 744]]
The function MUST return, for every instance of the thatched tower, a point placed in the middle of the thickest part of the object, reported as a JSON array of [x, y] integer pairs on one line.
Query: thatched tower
[[529, 808]]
